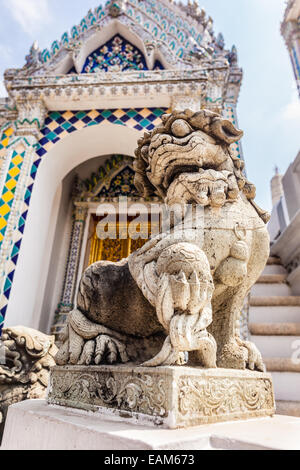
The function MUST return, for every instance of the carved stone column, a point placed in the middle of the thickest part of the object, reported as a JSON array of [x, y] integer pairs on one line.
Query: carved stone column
[[230, 105], [31, 116], [69, 288]]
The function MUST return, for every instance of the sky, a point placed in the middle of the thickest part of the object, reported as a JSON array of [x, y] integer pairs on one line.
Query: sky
[[269, 107]]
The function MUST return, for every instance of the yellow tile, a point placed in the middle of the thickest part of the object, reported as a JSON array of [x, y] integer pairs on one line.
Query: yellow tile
[[9, 132], [145, 112], [5, 142], [48, 146], [17, 160], [14, 172], [7, 197], [5, 209], [63, 135], [156, 122], [53, 125], [79, 125], [119, 113], [68, 115], [11, 184], [93, 114], [1, 240], [3, 223]]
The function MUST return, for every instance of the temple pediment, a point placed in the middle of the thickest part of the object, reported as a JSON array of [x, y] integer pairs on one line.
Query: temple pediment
[[166, 35]]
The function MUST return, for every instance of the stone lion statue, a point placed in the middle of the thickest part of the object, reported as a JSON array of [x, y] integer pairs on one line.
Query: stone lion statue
[[178, 299], [26, 356]]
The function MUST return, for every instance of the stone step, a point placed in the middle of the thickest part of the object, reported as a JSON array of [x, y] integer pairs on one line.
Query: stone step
[[274, 314], [273, 260], [270, 301], [286, 385], [274, 269], [275, 329], [288, 408], [281, 364], [277, 346], [271, 279], [271, 290]]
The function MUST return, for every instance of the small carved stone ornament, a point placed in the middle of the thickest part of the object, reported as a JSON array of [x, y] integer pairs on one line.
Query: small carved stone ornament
[[178, 299], [26, 357]]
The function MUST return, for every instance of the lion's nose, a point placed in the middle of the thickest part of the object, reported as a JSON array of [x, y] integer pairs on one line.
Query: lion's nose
[[181, 128]]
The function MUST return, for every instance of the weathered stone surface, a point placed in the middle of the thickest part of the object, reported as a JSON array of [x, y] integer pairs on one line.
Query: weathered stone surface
[[27, 357], [171, 397], [184, 289]]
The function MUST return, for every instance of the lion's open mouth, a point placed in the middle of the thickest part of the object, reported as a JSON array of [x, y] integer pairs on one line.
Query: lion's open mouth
[[169, 159], [174, 171]]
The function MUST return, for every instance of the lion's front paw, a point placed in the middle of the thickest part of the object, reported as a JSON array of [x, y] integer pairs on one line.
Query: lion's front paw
[[103, 350], [238, 354], [168, 356]]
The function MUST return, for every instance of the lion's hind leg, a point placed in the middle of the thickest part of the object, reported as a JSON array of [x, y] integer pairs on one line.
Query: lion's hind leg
[[85, 343]]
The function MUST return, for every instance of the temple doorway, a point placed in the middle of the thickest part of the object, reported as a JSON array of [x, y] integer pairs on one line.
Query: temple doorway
[[101, 193]]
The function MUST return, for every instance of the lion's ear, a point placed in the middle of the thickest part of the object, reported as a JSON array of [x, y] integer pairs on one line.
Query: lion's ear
[[225, 131]]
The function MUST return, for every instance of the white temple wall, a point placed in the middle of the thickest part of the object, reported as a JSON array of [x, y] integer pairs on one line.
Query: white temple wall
[[62, 222], [28, 292]]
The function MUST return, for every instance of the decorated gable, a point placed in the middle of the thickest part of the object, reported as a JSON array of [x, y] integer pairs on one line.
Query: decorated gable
[[117, 55]]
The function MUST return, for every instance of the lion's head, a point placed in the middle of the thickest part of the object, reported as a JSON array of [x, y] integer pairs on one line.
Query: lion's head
[[195, 147], [27, 356]]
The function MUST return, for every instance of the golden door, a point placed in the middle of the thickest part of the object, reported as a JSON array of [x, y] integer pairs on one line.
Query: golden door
[[115, 249]]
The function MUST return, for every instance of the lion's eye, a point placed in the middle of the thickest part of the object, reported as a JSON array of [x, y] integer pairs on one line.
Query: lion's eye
[[180, 128]]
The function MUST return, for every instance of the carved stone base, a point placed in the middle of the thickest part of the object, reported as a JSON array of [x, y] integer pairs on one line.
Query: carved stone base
[[171, 397]]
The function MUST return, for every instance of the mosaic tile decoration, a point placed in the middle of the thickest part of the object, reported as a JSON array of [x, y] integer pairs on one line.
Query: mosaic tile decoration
[[121, 185], [57, 126], [117, 55], [9, 190], [11, 179], [60, 124], [230, 113], [6, 201]]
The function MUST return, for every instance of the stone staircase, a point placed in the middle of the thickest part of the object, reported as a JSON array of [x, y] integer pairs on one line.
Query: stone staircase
[[274, 319]]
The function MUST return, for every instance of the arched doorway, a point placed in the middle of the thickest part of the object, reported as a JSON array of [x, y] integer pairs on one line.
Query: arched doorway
[[27, 306]]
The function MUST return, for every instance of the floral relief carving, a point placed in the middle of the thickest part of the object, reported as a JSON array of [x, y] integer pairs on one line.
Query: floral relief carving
[[143, 394], [218, 396]]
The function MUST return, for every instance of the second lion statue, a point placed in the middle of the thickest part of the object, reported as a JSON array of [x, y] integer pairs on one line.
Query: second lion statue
[[178, 299]]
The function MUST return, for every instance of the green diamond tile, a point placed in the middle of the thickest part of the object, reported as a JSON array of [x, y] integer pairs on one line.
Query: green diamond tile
[[54, 115], [158, 112], [7, 284], [66, 125], [51, 136], [80, 115], [132, 113], [145, 123], [106, 114]]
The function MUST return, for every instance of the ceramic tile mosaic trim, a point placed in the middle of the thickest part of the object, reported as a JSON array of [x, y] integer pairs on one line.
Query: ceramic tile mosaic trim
[[117, 55], [8, 191], [11, 179], [57, 126], [230, 113], [60, 124]]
